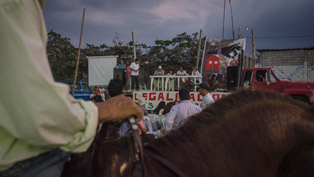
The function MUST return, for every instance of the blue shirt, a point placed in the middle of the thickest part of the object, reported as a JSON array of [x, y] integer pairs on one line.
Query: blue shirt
[[159, 73], [121, 66]]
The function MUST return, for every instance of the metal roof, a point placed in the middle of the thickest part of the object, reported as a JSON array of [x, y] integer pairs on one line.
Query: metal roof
[[270, 50]]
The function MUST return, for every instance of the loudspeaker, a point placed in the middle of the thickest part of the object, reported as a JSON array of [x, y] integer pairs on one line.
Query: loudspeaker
[[232, 77], [118, 73]]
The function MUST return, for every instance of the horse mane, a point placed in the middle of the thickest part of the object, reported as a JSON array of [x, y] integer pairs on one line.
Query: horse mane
[[264, 125]]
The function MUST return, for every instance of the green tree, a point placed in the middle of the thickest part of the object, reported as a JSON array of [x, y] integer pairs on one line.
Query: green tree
[[61, 55], [171, 54]]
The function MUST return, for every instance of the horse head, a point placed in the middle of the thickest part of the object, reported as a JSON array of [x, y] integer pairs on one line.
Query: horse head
[[117, 155], [108, 155]]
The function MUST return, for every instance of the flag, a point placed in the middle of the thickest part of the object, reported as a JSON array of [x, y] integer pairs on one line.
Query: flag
[[218, 55]]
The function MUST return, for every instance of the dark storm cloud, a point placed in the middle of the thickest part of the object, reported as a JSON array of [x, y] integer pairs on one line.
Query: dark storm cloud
[[163, 19], [271, 18], [102, 20]]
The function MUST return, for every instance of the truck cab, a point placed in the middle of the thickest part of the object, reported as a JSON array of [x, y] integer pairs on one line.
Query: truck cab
[[272, 79], [82, 90]]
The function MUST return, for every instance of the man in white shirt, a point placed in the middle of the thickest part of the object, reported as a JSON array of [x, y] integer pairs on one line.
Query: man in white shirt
[[181, 112], [102, 92], [207, 98], [198, 74], [157, 81], [135, 67], [181, 72]]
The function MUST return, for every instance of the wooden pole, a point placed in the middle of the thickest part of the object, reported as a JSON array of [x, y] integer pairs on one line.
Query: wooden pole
[[240, 66], [78, 54], [223, 21], [253, 44], [199, 50], [239, 33], [134, 49], [231, 19]]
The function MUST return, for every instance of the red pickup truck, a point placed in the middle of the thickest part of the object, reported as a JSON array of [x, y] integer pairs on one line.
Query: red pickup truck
[[273, 79]]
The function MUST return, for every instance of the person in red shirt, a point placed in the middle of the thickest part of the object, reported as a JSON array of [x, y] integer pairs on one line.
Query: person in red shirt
[[128, 73]]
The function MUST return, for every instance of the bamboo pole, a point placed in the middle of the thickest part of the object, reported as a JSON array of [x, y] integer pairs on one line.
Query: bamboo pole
[[134, 49], [253, 44], [223, 21], [199, 50], [240, 68], [78, 54], [231, 19], [239, 33]]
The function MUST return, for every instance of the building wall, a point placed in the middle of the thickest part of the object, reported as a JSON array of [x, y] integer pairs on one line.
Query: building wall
[[297, 72], [296, 64], [248, 62]]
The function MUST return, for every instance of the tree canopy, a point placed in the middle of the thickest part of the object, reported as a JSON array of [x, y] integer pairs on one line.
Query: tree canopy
[[171, 54]]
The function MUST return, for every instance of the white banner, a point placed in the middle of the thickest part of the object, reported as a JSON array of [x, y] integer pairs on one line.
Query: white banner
[[153, 98], [100, 69]]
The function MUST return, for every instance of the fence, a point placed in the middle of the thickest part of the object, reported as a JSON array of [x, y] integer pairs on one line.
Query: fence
[[164, 83]]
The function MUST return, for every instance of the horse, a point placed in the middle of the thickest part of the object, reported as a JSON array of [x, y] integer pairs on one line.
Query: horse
[[245, 134]]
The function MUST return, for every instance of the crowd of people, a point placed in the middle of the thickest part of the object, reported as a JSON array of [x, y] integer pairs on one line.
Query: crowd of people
[[179, 111], [176, 112], [98, 93], [130, 74], [170, 81]]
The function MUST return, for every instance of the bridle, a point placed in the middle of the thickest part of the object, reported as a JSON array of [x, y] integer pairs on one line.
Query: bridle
[[137, 153], [109, 134]]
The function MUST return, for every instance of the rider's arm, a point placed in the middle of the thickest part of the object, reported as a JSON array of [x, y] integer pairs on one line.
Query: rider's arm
[[34, 108], [36, 113]]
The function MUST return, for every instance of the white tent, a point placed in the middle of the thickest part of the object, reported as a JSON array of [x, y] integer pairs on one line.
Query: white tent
[[100, 69]]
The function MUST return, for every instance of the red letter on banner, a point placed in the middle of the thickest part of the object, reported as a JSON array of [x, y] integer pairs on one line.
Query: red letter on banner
[[167, 97], [151, 97], [192, 96], [145, 95], [177, 97], [135, 97], [216, 97], [161, 96], [199, 97]]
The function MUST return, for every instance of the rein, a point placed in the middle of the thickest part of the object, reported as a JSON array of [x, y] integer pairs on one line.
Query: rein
[[166, 163], [137, 153]]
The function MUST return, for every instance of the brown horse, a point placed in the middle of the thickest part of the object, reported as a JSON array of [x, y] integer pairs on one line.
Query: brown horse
[[246, 134]]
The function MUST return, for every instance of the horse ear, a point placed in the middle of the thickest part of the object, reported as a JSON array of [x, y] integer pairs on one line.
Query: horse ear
[[299, 162]]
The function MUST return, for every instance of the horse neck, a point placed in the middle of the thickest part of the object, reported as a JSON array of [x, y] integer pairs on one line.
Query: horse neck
[[109, 131], [230, 151], [174, 150]]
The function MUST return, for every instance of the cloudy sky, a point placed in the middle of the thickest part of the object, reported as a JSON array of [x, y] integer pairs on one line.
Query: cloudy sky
[[277, 23]]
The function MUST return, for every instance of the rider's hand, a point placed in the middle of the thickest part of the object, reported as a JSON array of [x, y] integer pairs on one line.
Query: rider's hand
[[118, 108]]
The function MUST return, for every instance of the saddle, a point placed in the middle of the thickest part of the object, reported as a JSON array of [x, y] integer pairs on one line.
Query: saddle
[[88, 164]]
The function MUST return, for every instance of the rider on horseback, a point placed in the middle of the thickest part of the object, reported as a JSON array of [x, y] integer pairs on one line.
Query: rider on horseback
[[39, 130]]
